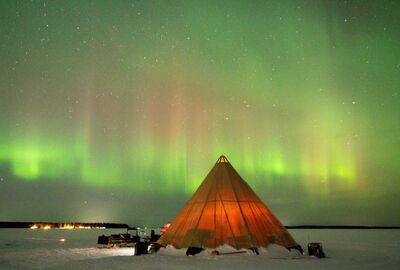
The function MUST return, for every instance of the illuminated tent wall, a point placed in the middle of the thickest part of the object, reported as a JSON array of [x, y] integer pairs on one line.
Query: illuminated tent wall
[[225, 210]]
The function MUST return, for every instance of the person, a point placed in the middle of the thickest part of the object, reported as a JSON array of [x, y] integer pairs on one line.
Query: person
[[153, 236]]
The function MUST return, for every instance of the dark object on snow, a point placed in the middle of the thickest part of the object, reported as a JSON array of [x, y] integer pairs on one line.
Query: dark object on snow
[[140, 245], [255, 250], [141, 248], [191, 251], [119, 240], [315, 249]]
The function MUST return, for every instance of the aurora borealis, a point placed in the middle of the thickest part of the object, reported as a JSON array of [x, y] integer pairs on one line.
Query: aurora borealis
[[115, 111]]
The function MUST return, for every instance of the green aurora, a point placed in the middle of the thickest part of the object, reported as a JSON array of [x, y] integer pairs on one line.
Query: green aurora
[[107, 105]]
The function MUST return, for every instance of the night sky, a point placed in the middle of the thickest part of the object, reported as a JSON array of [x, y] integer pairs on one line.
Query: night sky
[[115, 111]]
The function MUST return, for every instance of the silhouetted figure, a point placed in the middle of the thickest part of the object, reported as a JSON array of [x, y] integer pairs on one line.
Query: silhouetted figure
[[153, 236]]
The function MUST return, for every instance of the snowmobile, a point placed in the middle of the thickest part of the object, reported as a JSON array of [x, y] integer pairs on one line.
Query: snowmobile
[[140, 244], [119, 240]]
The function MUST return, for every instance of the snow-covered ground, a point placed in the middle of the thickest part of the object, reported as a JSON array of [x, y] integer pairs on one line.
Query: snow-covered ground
[[345, 249]]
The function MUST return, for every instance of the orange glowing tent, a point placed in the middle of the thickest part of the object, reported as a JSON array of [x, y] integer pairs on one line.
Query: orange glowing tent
[[225, 210]]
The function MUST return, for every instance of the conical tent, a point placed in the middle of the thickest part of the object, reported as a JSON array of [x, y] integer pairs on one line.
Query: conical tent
[[225, 210]]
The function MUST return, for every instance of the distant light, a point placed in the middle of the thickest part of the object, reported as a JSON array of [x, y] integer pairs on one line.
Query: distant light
[[62, 240], [47, 227], [34, 227], [67, 227], [84, 227]]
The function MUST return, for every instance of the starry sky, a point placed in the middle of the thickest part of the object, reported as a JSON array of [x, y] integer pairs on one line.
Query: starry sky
[[115, 111]]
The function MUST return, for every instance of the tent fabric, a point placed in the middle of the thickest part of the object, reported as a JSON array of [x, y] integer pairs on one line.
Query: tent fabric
[[225, 210]]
